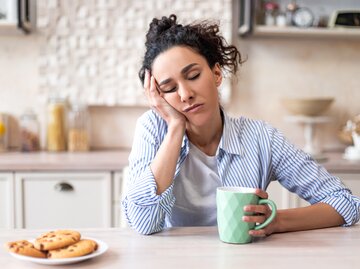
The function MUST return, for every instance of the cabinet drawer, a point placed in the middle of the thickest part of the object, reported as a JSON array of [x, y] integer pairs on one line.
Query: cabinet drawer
[[61, 200]]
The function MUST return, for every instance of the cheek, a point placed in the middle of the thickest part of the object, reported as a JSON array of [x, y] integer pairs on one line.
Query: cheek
[[212, 89], [173, 99]]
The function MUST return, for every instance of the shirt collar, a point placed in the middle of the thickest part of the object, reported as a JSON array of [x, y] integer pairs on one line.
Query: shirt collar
[[185, 141], [231, 137]]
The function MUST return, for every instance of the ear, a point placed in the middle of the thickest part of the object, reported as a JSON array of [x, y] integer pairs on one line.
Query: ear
[[217, 74]]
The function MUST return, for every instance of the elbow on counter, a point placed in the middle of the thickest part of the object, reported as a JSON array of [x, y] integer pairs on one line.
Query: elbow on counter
[[347, 205], [145, 231], [142, 219]]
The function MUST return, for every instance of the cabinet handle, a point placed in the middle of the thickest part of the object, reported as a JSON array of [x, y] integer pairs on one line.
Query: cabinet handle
[[63, 186]]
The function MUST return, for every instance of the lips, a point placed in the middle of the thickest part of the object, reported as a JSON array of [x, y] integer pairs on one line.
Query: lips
[[192, 108]]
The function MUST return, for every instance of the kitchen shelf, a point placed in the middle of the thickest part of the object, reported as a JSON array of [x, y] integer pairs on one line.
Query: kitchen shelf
[[251, 18], [7, 28], [274, 31]]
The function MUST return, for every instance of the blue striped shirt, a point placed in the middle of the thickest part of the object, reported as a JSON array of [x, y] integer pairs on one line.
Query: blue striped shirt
[[251, 154]]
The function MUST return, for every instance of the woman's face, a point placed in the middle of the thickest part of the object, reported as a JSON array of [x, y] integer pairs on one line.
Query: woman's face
[[187, 83]]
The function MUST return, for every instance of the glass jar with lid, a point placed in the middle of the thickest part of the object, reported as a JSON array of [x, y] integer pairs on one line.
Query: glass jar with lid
[[3, 132], [78, 131], [271, 10], [29, 131], [56, 124]]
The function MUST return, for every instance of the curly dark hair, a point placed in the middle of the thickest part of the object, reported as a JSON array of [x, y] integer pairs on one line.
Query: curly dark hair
[[203, 37]]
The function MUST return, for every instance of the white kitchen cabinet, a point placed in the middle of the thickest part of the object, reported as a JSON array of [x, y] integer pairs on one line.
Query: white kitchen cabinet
[[63, 200], [284, 198], [352, 181], [119, 190], [6, 200]]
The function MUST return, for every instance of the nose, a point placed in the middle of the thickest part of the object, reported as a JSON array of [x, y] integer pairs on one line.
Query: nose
[[185, 93]]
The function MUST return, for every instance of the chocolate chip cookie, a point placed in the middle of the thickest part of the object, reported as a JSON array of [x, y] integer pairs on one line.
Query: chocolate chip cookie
[[57, 239], [81, 248], [24, 247]]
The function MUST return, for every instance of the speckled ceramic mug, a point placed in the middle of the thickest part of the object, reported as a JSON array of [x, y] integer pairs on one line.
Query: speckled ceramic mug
[[230, 210]]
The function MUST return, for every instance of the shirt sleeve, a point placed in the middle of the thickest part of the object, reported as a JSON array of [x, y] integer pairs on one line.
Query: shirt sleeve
[[145, 211], [299, 173]]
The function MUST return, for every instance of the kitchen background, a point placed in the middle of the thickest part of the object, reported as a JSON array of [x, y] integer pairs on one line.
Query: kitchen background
[[90, 51]]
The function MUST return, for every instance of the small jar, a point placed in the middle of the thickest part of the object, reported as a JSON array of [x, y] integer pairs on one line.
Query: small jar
[[29, 131], [290, 9], [3, 132], [78, 131], [281, 20], [56, 124], [271, 10]]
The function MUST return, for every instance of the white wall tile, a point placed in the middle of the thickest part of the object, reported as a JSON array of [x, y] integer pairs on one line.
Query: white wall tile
[[109, 31]]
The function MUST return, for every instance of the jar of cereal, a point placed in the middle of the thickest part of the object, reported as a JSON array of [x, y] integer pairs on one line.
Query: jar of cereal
[[56, 125], [78, 131], [29, 131]]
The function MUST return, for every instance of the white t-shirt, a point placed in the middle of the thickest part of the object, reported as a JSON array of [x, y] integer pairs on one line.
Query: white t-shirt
[[195, 190]]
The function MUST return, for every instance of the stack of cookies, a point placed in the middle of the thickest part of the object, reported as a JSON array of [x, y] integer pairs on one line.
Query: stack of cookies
[[54, 245]]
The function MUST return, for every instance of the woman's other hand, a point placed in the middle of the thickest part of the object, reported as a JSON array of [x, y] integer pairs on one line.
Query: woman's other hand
[[159, 104], [261, 214]]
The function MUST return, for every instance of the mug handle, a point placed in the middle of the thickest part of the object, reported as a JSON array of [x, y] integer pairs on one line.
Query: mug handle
[[272, 216]]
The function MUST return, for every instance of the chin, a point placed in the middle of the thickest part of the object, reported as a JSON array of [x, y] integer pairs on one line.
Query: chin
[[198, 119]]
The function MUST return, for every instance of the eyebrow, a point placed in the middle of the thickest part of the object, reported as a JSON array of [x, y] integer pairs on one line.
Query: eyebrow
[[183, 71]]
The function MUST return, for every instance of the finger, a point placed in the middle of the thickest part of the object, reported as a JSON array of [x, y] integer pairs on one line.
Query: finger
[[161, 93], [259, 209], [147, 85], [153, 89], [146, 79], [156, 102], [254, 219], [257, 233], [261, 193]]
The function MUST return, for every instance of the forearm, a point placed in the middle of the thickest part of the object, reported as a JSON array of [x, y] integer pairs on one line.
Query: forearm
[[163, 165], [316, 216]]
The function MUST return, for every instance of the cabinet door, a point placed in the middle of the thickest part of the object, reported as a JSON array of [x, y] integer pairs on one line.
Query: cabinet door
[[284, 198], [119, 184], [63, 200], [6, 200], [352, 181]]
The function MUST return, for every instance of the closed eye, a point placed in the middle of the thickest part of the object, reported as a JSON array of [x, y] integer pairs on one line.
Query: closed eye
[[165, 90], [194, 77], [170, 90], [174, 89]]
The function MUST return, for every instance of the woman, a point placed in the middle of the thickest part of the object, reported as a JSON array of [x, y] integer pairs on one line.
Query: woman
[[186, 146]]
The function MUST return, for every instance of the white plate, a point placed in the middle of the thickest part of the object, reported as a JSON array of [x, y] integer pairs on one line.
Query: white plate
[[102, 247]]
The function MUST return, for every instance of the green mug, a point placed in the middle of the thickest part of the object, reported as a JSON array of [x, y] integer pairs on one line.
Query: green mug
[[230, 203]]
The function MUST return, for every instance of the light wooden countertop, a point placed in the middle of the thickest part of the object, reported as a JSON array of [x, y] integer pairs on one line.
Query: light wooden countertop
[[115, 161], [200, 247], [64, 161]]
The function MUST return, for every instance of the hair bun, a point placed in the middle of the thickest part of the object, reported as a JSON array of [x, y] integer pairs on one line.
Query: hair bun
[[158, 26]]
